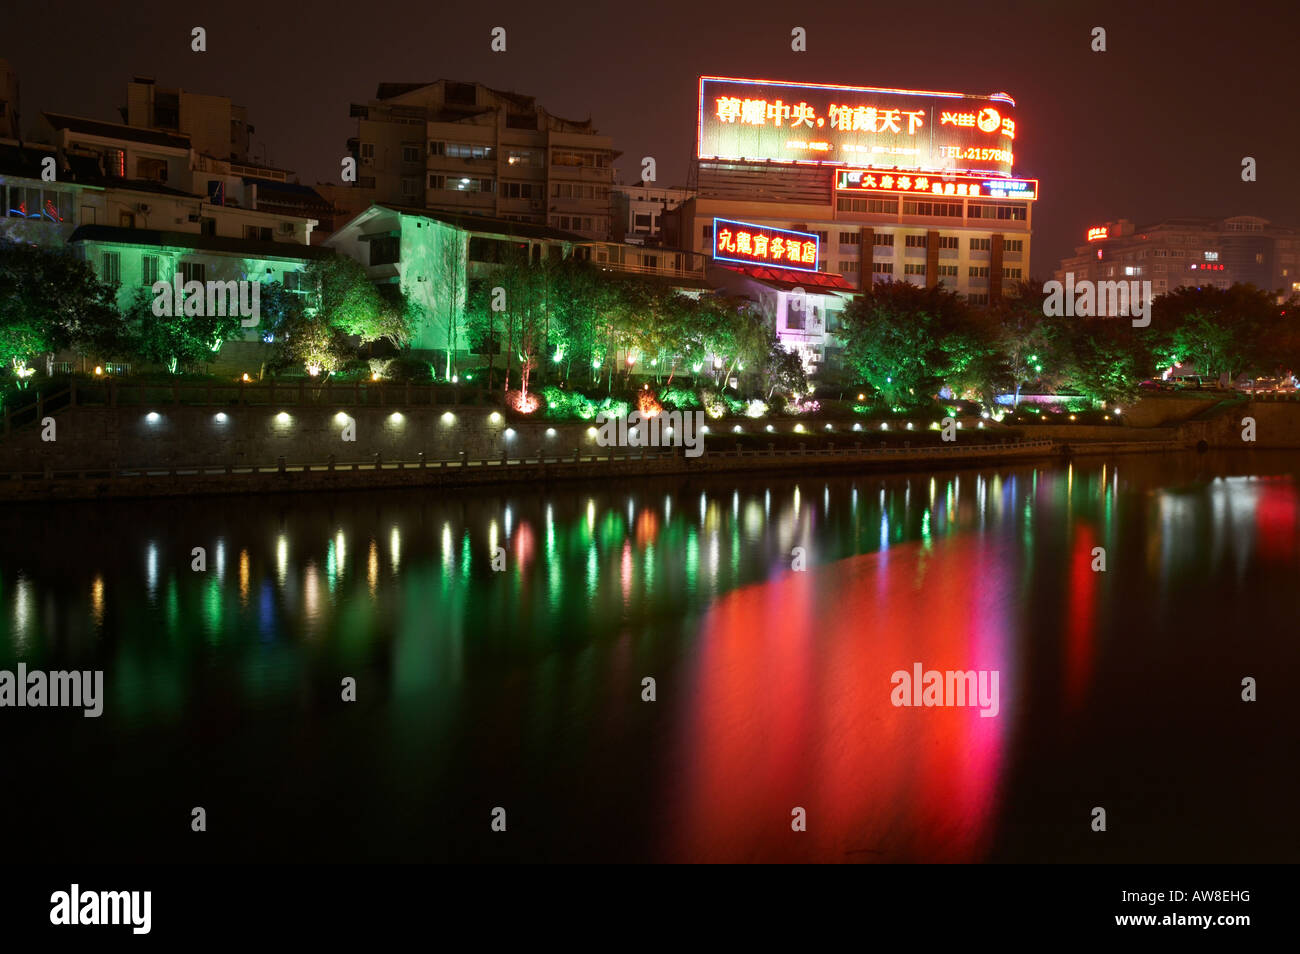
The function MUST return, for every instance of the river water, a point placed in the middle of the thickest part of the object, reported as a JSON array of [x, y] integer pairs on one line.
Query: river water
[[522, 688]]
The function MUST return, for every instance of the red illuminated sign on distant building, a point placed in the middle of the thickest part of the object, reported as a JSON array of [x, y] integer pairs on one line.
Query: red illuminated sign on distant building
[[1098, 232], [1207, 267], [988, 187], [750, 244]]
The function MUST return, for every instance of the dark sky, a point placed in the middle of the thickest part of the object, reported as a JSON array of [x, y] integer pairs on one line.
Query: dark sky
[[1154, 127]]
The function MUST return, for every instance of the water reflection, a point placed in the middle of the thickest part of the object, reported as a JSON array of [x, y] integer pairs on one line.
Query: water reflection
[[523, 625]]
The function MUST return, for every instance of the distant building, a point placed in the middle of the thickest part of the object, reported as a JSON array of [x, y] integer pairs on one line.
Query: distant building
[[465, 148], [639, 211], [1190, 252]]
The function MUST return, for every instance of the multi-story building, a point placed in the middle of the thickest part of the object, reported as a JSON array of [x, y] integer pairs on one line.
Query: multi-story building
[[214, 125], [465, 148], [138, 231], [886, 185], [638, 211], [1190, 252]]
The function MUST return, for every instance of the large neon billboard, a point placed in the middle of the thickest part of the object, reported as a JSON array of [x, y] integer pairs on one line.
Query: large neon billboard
[[942, 184], [751, 244], [861, 126]]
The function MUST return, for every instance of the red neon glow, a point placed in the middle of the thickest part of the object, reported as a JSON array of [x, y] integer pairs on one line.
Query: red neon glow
[[788, 704], [1098, 232], [749, 243]]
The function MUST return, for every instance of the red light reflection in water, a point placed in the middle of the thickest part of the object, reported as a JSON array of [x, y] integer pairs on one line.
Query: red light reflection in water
[[789, 705], [1275, 520], [1080, 621]]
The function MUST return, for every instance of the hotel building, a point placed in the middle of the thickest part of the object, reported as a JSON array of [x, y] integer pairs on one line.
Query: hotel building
[[889, 185]]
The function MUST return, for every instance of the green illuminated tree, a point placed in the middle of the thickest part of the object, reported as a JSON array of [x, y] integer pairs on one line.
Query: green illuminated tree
[[177, 341]]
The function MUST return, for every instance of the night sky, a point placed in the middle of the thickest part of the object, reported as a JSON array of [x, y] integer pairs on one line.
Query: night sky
[[1154, 127]]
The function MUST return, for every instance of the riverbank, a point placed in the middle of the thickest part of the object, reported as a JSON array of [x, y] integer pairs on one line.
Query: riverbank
[[378, 473]]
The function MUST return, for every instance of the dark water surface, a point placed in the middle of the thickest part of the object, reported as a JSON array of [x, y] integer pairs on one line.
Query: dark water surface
[[522, 688]]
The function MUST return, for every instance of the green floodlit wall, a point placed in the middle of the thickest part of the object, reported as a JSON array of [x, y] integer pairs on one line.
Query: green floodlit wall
[[434, 260]]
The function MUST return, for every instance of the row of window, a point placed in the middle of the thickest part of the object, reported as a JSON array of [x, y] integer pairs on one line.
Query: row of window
[[111, 271], [414, 153], [886, 240], [576, 223], [952, 210]]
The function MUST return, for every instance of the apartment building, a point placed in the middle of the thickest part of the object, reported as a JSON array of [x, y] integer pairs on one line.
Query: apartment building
[[465, 148], [1190, 252]]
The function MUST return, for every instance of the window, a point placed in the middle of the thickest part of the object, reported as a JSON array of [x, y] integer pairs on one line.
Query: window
[[948, 241], [367, 153], [365, 182], [1013, 245], [385, 250], [569, 157], [882, 268], [411, 154], [467, 150], [518, 190], [708, 233], [194, 272], [641, 222], [949, 209], [980, 299], [257, 233], [437, 148], [112, 268], [468, 184], [148, 270], [154, 170], [850, 266], [913, 269], [947, 271], [126, 220], [1011, 273], [850, 238], [885, 241], [915, 241], [410, 187], [986, 210], [524, 157], [294, 282], [981, 245], [979, 271]]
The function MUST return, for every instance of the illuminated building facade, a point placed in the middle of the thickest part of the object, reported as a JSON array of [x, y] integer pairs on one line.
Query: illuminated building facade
[[467, 149], [897, 185], [1190, 252], [434, 255]]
